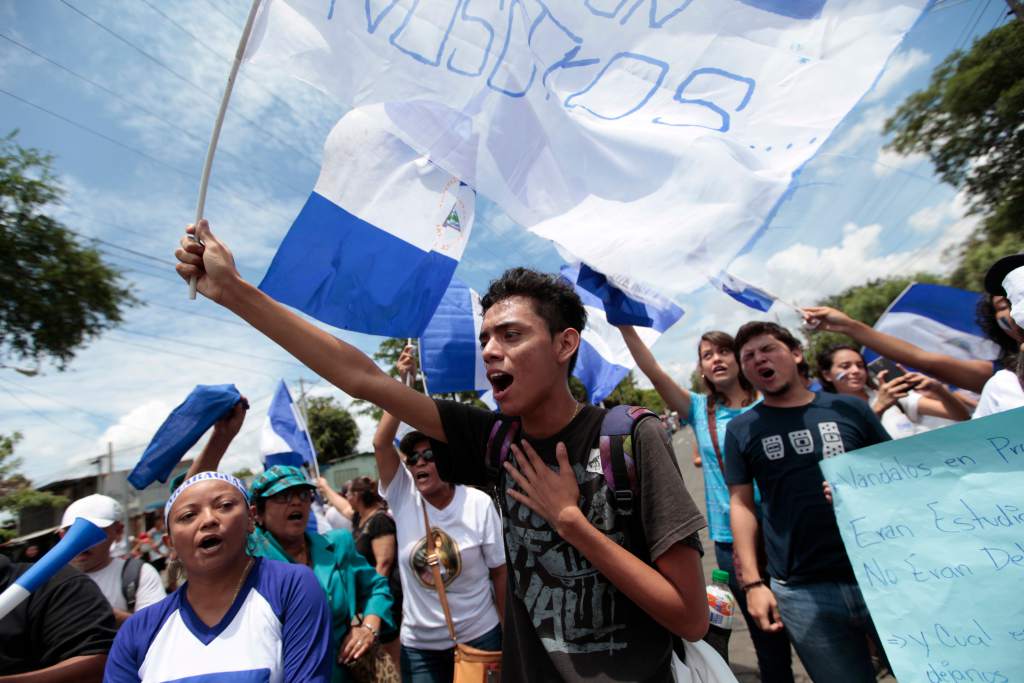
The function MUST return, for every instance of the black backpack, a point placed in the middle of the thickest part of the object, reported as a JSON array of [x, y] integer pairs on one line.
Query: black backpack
[[130, 573]]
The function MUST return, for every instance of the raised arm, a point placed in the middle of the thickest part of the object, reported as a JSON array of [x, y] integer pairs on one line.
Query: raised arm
[[335, 498], [341, 364], [676, 397], [936, 400], [224, 431], [968, 374], [384, 438]]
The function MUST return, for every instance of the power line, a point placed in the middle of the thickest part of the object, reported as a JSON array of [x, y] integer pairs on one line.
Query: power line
[[193, 344], [135, 150], [192, 357], [184, 79], [58, 401], [214, 6], [43, 416], [145, 110]]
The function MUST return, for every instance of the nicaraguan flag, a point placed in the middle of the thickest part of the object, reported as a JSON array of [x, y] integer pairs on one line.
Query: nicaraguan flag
[[744, 292], [449, 346], [939, 319], [379, 238], [604, 359], [285, 438], [629, 303]]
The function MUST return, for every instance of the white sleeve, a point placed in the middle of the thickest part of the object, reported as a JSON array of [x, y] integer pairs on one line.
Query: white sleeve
[[337, 520], [987, 404], [399, 490], [151, 587], [493, 545], [910, 406]]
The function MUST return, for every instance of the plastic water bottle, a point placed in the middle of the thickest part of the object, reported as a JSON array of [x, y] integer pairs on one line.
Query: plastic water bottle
[[722, 606]]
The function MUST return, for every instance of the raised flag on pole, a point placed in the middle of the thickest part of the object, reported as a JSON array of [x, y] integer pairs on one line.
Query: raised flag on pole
[[449, 346], [744, 292], [939, 319], [604, 359], [378, 239], [650, 139], [285, 439]]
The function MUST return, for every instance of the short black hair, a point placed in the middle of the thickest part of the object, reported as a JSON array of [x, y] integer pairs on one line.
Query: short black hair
[[985, 316], [756, 328], [409, 441], [554, 300]]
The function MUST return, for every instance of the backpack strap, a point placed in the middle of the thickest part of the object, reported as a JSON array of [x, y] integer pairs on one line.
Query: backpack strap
[[499, 444], [130, 573], [616, 448]]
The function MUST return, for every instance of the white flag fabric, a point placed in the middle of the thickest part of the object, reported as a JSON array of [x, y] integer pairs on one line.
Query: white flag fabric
[[647, 137]]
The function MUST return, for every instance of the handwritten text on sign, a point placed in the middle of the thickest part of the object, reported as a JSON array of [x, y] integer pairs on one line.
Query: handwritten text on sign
[[934, 526]]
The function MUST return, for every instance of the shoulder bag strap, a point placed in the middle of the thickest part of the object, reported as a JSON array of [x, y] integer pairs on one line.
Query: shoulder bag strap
[[713, 431], [432, 546]]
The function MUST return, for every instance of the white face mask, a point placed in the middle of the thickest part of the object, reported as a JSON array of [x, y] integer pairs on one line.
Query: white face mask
[[1013, 283]]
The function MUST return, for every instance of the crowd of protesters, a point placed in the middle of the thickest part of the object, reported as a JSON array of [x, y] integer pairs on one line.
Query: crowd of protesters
[[521, 532]]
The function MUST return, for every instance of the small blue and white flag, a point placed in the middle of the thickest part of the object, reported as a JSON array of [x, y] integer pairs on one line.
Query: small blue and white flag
[[628, 302], [939, 319], [379, 238], [285, 439], [449, 346], [604, 359], [744, 292]]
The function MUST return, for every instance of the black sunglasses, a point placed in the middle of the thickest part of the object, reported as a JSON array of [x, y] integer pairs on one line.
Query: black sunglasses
[[304, 495], [427, 456]]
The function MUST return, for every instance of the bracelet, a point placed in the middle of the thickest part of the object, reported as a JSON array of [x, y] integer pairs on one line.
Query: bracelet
[[753, 584], [374, 632]]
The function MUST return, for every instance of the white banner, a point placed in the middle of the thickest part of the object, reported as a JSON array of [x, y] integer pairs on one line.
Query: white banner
[[650, 138]]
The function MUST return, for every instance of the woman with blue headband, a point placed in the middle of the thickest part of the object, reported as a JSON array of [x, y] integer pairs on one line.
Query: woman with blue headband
[[237, 616], [358, 598]]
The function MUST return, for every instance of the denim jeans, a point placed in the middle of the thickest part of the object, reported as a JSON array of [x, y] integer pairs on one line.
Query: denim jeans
[[830, 626], [774, 657], [438, 666]]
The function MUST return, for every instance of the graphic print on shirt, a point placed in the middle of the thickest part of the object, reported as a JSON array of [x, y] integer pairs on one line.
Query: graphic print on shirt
[[572, 604], [773, 448], [449, 553], [832, 440], [801, 441]]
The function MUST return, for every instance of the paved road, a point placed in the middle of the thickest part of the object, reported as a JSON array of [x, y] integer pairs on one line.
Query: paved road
[[742, 658]]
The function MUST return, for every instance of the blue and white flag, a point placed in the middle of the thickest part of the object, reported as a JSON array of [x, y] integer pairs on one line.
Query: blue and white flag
[[627, 302], [450, 347], [604, 359], [379, 238], [285, 439], [744, 292], [939, 319], [654, 137]]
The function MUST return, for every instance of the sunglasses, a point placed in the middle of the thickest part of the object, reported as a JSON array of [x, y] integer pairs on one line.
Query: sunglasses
[[304, 495], [426, 455], [1004, 322]]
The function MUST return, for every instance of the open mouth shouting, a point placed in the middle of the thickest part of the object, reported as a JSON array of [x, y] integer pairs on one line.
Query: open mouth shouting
[[211, 544], [767, 374], [500, 383], [294, 516]]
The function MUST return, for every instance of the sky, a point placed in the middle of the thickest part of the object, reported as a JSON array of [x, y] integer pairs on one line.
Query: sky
[[124, 96]]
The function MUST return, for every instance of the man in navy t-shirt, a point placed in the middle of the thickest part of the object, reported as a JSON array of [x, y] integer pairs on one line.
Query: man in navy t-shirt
[[779, 444]]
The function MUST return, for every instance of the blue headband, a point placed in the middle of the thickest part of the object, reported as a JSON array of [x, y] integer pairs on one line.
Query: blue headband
[[204, 476]]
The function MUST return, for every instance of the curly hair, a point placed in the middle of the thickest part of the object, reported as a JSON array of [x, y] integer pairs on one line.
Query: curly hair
[[985, 316], [758, 327], [554, 300]]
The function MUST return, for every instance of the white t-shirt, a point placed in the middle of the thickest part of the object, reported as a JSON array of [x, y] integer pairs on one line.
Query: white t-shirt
[[472, 545], [149, 592], [1002, 392], [901, 423]]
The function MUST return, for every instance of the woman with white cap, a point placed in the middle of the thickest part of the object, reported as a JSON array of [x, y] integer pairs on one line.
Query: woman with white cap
[[236, 615]]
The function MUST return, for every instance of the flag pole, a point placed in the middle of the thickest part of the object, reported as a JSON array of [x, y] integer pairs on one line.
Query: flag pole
[[215, 136]]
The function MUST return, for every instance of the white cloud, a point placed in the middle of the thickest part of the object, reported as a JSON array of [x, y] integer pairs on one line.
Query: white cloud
[[896, 71], [889, 161]]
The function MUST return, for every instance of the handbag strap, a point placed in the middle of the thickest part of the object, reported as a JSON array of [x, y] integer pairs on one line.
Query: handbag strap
[[713, 431], [434, 560]]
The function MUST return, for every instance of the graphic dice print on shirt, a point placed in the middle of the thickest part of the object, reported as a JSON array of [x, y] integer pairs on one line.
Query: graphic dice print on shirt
[[832, 442], [773, 448], [801, 441]]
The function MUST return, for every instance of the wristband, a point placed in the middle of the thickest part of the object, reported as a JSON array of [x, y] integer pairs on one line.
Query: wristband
[[753, 584], [374, 632]]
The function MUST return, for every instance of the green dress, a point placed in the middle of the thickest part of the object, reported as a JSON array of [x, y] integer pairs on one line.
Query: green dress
[[352, 586]]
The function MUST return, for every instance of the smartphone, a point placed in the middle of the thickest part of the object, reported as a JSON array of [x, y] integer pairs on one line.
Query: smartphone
[[879, 364]]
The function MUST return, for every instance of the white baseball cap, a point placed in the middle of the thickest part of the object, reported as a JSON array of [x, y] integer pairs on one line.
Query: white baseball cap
[[100, 510]]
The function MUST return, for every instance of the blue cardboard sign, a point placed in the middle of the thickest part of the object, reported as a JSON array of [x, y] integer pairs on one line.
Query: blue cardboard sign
[[934, 527]]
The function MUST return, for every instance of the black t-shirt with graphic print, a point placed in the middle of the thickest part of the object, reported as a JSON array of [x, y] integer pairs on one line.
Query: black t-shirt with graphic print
[[564, 620], [780, 449]]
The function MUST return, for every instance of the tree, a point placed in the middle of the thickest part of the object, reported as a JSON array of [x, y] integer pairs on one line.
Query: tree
[[16, 492], [866, 303], [334, 432], [243, 473], [57, 293], [970, 123], [628, 393]]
